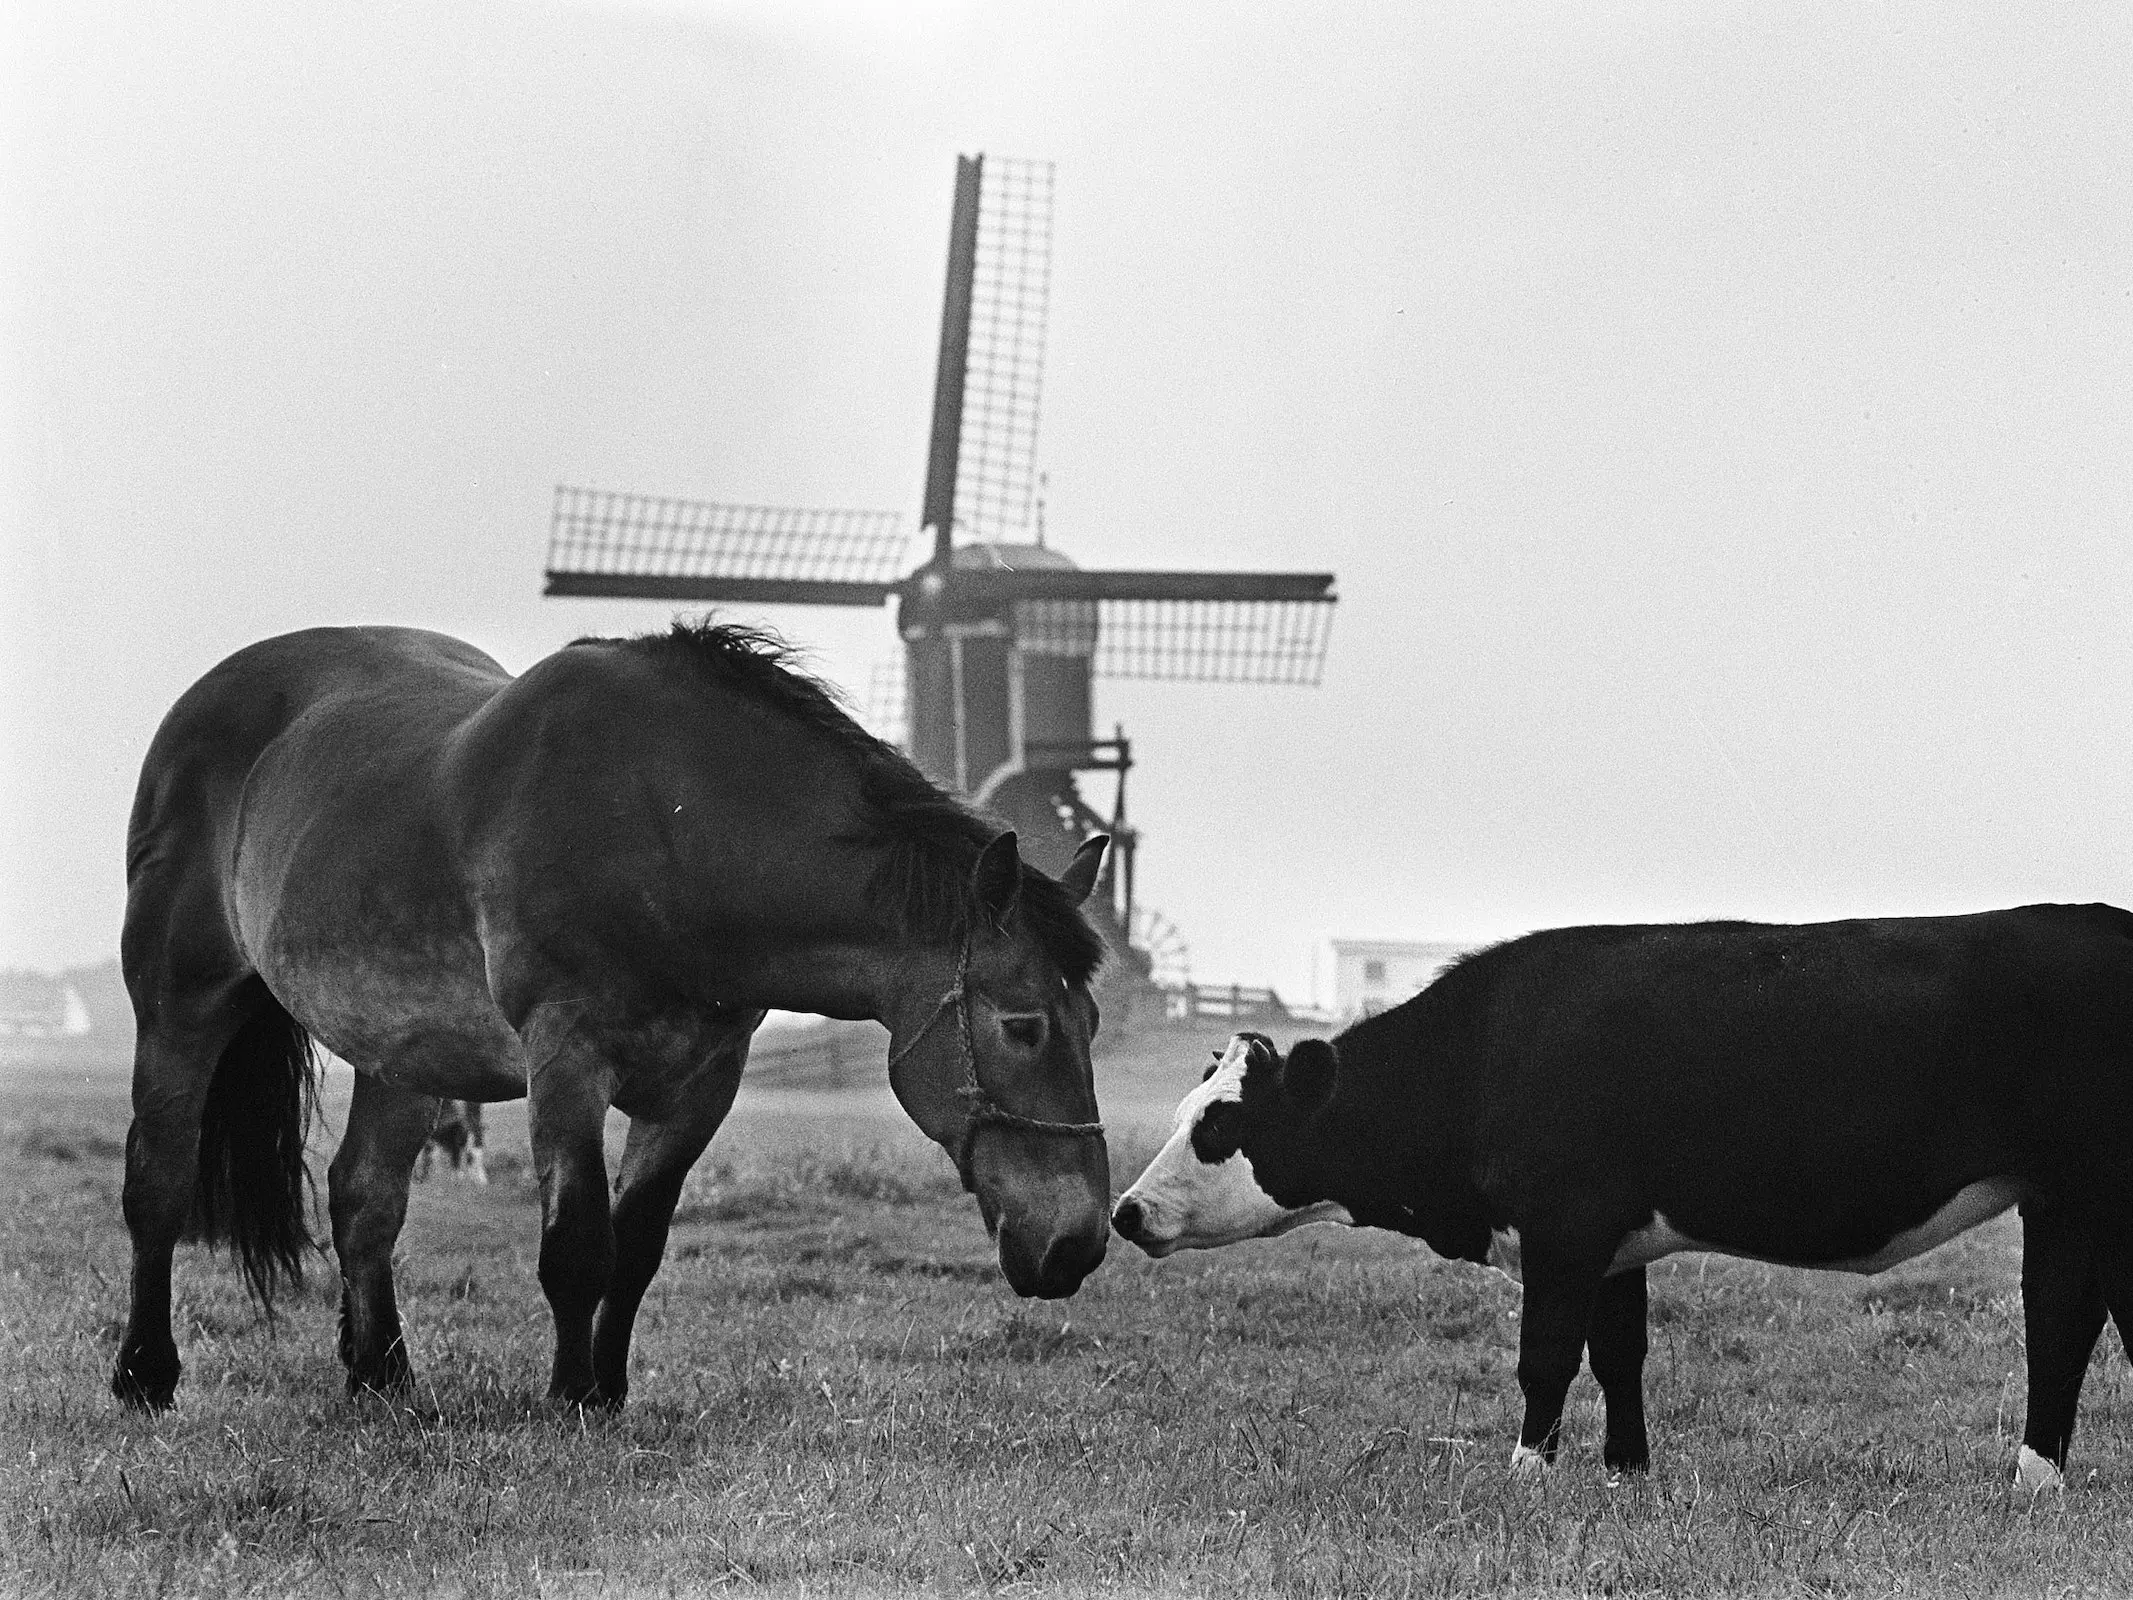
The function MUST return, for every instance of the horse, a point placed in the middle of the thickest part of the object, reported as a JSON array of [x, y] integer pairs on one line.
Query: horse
[[455, 1138], [583, 886]]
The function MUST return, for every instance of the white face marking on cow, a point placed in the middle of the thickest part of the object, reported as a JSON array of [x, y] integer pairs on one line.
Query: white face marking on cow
[[1189, 1204]]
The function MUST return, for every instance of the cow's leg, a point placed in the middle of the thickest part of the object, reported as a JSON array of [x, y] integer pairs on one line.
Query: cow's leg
[[655, 1164], [569, 1088], [1616, 1344], [1561, 1287], [472, 1165], [2062, 1313], [367, 1195]]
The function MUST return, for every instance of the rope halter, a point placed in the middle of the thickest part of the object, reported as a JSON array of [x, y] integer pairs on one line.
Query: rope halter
[[979, 1107]]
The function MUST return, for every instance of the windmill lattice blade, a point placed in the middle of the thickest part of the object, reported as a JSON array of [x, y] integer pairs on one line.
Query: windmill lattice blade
[[600, 541], [1004, 378], [1199, 641]]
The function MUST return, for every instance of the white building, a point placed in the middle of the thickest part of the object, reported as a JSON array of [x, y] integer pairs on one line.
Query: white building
[[1373, 975]]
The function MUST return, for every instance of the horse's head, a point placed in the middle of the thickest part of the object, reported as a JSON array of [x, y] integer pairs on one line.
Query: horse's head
[[994, 1066]]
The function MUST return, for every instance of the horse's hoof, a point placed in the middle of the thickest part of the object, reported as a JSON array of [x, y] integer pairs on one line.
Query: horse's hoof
[[584, 1397], [136, 1395], [388, 1380], [144, 1384]]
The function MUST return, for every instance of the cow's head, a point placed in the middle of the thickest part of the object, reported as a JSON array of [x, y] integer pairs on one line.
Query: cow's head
[[1231, 1168]]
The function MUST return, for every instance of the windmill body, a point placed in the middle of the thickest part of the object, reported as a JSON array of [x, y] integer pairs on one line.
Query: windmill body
[[1002, 633]]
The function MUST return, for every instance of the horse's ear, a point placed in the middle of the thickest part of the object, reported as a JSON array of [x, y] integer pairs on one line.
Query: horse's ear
[[1080, 875], [1310, 1075], [997, 882]]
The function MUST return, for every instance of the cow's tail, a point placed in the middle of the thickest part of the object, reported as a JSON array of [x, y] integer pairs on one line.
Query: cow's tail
[[253, 1192]]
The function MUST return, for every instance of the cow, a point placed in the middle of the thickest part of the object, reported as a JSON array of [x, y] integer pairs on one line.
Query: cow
[[456, 1138], [1576, 1104]]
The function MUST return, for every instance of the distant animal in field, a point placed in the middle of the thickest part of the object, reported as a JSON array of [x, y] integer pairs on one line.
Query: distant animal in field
[[455, 1139], [584, 885], [1583, 1102]]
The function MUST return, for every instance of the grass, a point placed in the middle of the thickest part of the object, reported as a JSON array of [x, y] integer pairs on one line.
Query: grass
[[834, 1393]]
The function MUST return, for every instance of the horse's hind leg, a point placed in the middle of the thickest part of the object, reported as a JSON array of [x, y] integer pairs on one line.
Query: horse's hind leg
[[2062, 1313], [368, 1185], [186, 980], [175, 1052], [655, 1164], [569, 1087]]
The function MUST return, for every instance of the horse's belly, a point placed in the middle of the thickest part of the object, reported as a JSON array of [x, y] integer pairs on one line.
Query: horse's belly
[[1977, 1203], [435, 1032]]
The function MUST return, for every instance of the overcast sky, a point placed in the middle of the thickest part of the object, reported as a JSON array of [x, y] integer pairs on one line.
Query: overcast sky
[[1718, 417]]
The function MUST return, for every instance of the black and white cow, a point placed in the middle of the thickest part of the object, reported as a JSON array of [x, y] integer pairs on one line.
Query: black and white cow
[[1584, 1101], [456, 1137]]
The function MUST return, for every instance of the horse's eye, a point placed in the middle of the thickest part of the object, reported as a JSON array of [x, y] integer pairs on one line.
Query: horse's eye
[[1028, 1032]]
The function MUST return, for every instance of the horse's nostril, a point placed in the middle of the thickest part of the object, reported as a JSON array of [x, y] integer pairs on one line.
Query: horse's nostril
[[1127, 1219]]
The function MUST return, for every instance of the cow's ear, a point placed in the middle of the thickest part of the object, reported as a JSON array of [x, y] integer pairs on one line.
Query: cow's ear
[[1309, 1076]]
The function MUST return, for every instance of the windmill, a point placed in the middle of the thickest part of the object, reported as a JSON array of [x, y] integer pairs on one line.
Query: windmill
[[1002, 634]]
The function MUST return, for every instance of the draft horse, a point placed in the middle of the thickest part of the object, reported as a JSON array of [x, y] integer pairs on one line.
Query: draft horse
[[583, 885]]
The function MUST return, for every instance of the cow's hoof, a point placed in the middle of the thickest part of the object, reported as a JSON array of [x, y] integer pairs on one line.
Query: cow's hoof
[[1625, 1466], [1527, 1462], [2035, 1474]]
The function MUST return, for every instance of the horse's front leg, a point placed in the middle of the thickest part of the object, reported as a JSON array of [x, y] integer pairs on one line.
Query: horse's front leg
[[569, 1087], [367, 1190], [655, 1164]]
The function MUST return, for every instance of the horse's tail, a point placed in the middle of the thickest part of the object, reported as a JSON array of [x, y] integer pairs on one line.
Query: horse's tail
[[253, 1192]]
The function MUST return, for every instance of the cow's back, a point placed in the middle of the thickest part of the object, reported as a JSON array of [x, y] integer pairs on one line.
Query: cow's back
[[1810, 1082]]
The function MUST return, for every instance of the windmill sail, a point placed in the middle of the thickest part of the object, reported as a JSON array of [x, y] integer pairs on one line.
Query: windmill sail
[[1186, 640], [1201, 627], [650, 547], [1010, 296], [981, 468]]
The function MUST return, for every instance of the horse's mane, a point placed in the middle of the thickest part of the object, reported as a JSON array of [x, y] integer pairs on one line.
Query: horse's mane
[[930, 839]]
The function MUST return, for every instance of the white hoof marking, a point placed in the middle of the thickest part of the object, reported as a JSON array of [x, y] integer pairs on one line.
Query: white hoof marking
[[2034, 1473], [1527, 1462]]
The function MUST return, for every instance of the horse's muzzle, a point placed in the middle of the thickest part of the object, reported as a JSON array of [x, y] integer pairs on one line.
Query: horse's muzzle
[[1040, 1270]]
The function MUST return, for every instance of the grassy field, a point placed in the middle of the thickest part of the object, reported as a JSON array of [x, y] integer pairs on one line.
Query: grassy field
[[834, 1393]]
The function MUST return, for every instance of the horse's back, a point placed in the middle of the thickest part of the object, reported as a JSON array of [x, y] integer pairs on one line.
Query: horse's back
[[193, 777], [225, 720]]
